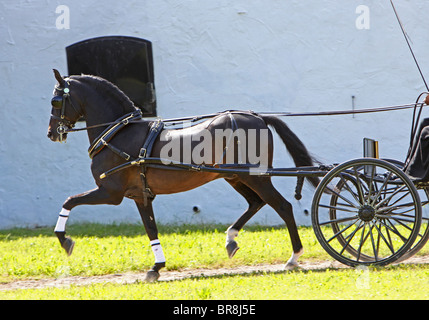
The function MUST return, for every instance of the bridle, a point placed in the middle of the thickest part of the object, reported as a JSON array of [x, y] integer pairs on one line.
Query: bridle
[[59, 102]]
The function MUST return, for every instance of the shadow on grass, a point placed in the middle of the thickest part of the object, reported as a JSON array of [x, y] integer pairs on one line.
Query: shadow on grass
[[123, 229], [343, 268], [248, 274]]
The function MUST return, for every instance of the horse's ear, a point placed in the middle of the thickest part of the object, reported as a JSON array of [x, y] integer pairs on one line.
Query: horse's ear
[[58, 76]]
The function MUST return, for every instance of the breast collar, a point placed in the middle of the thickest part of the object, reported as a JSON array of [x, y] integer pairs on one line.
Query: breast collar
[[102, 140]]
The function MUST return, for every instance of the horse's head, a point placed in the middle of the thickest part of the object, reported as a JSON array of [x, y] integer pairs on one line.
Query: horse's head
[[65, 110]]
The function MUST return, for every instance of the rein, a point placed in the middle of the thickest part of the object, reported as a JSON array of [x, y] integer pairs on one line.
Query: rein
[[175, 121], [344, 112]]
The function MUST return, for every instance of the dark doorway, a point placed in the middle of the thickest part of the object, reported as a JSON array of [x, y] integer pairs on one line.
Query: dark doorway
[[125, 61]]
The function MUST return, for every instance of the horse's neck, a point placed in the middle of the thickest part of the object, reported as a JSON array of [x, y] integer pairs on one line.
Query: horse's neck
[[99, 110]]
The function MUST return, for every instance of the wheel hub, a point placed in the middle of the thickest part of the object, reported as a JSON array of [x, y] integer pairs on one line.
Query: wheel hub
[[366, 213]]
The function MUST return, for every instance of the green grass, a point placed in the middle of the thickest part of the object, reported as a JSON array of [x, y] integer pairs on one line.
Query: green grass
[[102, 249], [404, 282]]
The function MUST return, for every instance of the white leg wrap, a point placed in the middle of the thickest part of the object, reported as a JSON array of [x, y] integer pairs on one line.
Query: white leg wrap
[[231, 234], [62, 219], [157, 251], [293, 261]]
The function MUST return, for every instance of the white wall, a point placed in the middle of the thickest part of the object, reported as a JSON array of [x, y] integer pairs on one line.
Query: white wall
[[296, 56]]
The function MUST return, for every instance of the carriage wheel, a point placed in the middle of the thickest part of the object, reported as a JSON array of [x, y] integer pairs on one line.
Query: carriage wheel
[[366, 211], [423, 234]]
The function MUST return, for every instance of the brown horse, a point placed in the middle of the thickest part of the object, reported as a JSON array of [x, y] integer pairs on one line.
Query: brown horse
[[100, 102]]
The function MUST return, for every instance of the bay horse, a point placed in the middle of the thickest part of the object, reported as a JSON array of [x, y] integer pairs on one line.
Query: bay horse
[[101, 103]]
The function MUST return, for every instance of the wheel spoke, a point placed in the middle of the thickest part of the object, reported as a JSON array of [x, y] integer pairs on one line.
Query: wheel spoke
[[391, 196], [339, 220], [337, 208], [393, 229], [359, 187], [406, 193], [341, 231], [362, 241], [374, 247], [355, 196], [344, 204], [381, 236], [343, 198], [393, 207], [351, 236], [382, 187]]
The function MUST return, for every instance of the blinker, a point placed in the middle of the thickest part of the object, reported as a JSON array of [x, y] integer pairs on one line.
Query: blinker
[[57, 102]]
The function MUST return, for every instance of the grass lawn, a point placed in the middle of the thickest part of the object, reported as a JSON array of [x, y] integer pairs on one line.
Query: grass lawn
[[109, 249]]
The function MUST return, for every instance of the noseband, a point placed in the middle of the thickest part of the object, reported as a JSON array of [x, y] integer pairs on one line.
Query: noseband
[[59, 102]]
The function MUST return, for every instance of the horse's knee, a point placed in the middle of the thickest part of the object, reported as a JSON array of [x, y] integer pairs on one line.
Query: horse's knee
[[116, 200]]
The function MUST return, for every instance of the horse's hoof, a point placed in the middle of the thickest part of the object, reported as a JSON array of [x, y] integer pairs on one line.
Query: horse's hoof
[[231, 248], [292, 263], [68, 245], [152, 276], [290, 266]]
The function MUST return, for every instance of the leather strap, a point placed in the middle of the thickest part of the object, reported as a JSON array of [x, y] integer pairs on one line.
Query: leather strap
[[145, 152], [98, 144]]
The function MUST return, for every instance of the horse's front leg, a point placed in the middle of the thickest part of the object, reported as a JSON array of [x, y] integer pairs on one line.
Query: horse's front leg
[[148, 218], [96, 196]]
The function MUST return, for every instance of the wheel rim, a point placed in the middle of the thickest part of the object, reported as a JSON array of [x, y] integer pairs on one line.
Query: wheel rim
[[366, 211]]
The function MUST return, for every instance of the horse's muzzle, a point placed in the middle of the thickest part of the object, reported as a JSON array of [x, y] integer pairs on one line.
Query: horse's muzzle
[[57, 136]]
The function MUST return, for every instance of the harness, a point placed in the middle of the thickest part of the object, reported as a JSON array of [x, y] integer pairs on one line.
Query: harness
[[154, 131], [145, 158], [103, 140]]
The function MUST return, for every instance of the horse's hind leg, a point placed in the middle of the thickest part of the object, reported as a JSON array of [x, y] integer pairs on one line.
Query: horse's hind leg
[[266, 191], [148, 218], [255, 203]]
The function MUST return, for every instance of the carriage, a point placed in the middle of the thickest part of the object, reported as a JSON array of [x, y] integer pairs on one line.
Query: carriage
[[365, 211]]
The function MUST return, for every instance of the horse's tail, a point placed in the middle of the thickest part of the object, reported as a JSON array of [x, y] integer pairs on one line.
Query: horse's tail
[[294, 145]]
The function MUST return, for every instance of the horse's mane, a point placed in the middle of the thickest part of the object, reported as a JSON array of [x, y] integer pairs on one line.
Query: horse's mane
[[108, 90]]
